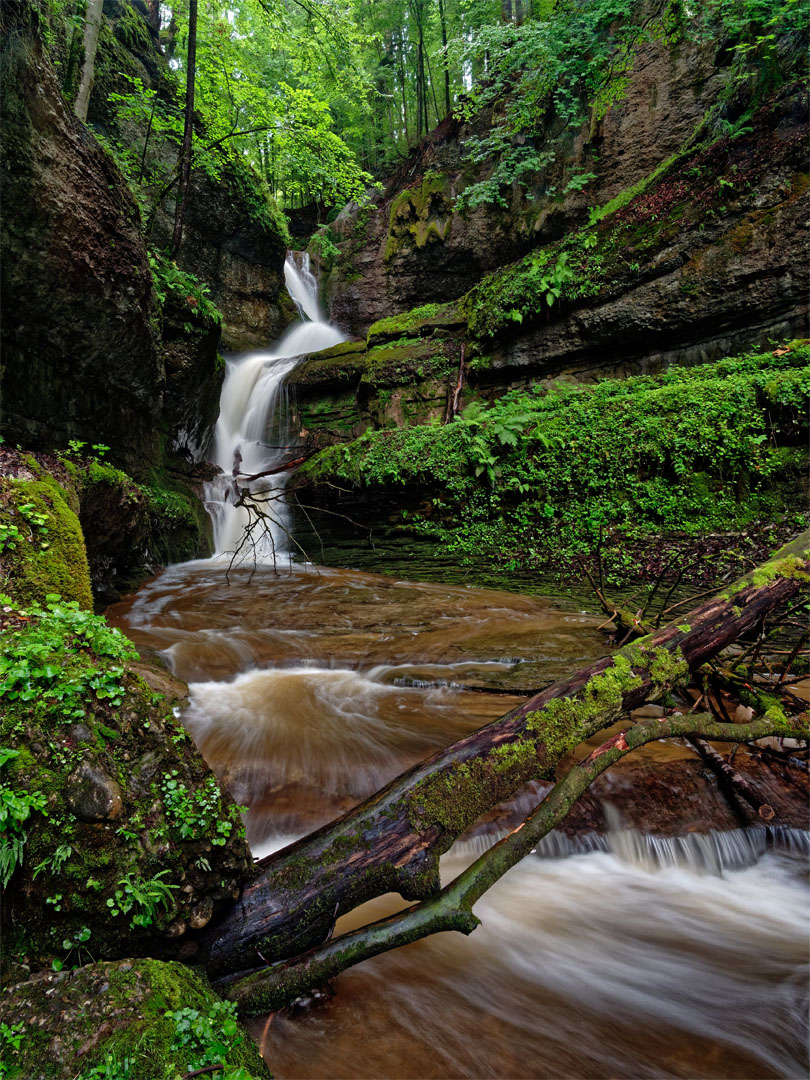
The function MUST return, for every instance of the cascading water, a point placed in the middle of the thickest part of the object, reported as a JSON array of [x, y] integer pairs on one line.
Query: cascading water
[[253, 432]]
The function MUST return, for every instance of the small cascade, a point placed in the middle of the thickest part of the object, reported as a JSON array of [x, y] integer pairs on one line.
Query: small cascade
[[714, 852], [253, 432]]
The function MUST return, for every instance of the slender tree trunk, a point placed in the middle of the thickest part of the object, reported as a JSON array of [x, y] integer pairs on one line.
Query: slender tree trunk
[[443, 22], [92, 28], [153, 7], [188, 130], [403, 85], [392, 842]]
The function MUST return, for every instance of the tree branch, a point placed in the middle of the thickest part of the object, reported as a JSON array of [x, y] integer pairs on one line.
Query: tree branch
[[395, 838], [451, 909]]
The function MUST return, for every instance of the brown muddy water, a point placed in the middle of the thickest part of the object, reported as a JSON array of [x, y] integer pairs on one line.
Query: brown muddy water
[[629, 957]]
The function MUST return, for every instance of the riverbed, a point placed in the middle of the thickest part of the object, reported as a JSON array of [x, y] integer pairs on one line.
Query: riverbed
[[309, 688]]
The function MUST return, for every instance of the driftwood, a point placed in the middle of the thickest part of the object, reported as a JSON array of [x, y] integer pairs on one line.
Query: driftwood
[[392, 841], [451, 909], [733, 781]]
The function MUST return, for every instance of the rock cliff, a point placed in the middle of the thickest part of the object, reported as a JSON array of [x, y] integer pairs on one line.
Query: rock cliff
[[412, 246]]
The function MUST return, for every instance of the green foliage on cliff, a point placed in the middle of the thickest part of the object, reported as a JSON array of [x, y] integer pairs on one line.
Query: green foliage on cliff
[[577, 56], [547, 470], [186, 289]]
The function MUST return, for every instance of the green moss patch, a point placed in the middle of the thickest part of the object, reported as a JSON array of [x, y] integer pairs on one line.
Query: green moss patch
[[135, 844], [420, 216], [131, 1020], [542, 473], [42, 548]]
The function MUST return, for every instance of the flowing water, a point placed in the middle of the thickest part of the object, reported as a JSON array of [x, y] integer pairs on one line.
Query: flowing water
[[252, 434], [616, 956]]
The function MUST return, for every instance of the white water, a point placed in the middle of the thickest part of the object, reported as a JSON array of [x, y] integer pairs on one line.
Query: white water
[[253, 432]]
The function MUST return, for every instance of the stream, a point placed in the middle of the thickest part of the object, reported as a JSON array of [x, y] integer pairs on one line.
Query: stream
[[311, 687]]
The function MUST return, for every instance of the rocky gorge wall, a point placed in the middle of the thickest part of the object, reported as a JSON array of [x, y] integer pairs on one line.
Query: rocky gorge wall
[[94, 348], [235, 239], [702, 257], [411, 245]]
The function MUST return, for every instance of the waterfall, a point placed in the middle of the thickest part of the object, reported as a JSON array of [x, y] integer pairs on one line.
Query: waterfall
[[253, 431]]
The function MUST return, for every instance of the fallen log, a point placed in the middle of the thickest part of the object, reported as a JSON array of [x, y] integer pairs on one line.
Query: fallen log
[[733, 781], [393, 841], [278, 985]]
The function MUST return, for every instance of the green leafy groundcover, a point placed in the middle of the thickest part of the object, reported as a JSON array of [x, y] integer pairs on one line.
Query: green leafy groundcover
[[543, 472]]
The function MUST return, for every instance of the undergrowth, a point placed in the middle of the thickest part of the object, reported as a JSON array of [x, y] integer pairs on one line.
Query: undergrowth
[[541, 474]]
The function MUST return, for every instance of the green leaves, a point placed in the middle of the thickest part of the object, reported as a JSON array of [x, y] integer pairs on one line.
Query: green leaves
[[195, 815], [208, 1038], [50, 657], [144, 895], [15, 809], [542, 470]]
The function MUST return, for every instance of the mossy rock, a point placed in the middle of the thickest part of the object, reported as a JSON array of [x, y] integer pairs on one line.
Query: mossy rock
[[73, 1022], [418, 322], [44, 550], [406, 362], [420, 216], [341, 365], [136, 842], [126, 530]]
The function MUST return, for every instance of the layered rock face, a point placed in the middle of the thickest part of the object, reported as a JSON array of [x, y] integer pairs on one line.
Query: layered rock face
[[411, 246], [81, 344], [705, 259]]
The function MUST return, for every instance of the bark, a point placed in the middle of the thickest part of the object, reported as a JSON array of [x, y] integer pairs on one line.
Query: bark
[[451, 909], [443, 23], [392, 841], [188, 130], [153, 7], [92, 28], [732, 780]]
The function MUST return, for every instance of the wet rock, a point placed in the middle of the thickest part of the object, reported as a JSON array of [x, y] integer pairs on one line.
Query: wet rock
[[201, 914], [93, 795]]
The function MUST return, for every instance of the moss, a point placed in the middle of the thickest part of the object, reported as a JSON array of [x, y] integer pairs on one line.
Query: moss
[[419, 216], [418, 322], [47, 558], [789, 566], [74, 1021], [91, 713], [404, 363], [456, 798]]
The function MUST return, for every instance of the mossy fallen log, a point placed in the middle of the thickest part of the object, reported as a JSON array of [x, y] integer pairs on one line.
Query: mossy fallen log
[[277, 985], [393, 841]]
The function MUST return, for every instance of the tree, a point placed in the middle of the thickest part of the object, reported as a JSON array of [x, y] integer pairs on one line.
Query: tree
[[92, 29], [392, 842], [188, 129]]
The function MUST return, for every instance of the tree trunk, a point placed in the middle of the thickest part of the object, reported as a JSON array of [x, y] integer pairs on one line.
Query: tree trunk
[[735, 783], [92, 28], [451, 909], [153, 7], [392, 841], [188, 130], [442, 21]]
